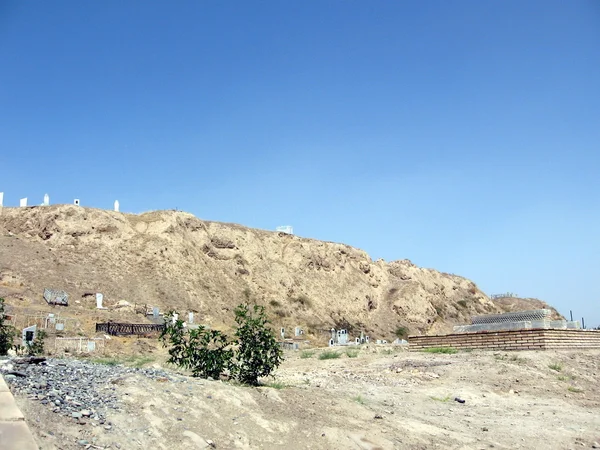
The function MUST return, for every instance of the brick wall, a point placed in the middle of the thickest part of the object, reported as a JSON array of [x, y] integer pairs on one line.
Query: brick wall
[[511, 340]]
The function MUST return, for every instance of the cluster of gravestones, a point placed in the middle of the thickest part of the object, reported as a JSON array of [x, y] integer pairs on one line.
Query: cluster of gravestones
[[341, 337], [46, 202]]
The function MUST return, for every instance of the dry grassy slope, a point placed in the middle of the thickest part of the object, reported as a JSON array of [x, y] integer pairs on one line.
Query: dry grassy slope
[[175, 261]]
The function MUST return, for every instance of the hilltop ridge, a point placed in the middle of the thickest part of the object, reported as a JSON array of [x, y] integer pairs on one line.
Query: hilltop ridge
[[174, 260]]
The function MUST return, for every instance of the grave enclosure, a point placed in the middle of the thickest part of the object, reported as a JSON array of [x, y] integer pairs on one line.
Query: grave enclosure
[[526, 330]]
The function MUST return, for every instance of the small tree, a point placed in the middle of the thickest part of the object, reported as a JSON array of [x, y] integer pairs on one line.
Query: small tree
[[37, 346], [258, 352], [7, 332], [200, 350]]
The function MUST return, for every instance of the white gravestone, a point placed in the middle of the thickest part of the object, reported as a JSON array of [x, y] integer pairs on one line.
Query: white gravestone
[[76, 202], [1, 199], [46, 200], [117, 205], [23, 202], [191, 317], [99, 299]]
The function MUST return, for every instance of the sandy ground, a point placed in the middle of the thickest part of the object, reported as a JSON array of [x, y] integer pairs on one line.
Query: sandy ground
[[381, 399]]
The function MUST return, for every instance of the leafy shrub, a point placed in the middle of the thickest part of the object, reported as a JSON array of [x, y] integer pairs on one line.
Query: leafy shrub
[[202, 351], [208, 353], [401, 332], [258, 352], [7, 332], [328, 354], [37, 346]]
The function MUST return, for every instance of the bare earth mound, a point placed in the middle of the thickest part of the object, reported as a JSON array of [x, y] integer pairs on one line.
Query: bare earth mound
[[173, 260]]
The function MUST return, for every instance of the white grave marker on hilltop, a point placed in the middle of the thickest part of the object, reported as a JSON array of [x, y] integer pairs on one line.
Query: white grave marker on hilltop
[[76, 202], [117, 205], [1, 199], [23, 202], [46, 200]]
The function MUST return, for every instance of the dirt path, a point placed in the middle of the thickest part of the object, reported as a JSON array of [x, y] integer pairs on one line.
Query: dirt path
[[403, 400]]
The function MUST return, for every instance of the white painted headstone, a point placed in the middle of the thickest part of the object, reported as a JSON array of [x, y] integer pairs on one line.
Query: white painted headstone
[[99, 299], [1, 199], [191, 317], [283, 333], [155, 312], [23, 202], [175, 317], [46, 200], [76, 202], [117, 205]]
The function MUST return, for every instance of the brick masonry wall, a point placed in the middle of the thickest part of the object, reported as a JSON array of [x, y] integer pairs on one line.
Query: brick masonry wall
[[538, 339]]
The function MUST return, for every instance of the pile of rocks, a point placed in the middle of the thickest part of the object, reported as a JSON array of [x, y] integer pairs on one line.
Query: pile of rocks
[[75, 388]]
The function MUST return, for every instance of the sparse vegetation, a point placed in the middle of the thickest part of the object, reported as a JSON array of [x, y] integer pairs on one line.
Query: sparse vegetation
[[401, 332], [359, 399], [441, 399], [555, 366], [304, 354], [563, 378], [302, 300], [575, 390], [7, 332], [462, 303], [132, 360], [446, 350], [36, 347], [352, 352], [276, 385], [274, 303], [328, 354]]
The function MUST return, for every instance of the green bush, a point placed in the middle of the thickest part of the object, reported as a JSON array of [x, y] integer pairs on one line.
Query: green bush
[[208, 353], [328, 354], [401, 332], [462, 303], [202, 351], [7, 332], [258, 352], [37, 346]]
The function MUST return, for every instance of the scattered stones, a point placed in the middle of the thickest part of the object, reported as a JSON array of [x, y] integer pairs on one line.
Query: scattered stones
[[378, 416], [74, 388], [459, 400]]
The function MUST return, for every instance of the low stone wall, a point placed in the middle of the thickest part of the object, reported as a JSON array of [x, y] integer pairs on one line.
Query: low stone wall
[[539, 339]]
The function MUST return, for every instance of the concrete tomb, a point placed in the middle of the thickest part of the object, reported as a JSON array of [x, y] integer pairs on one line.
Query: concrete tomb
[[99, 300], [23, 202], [117, 205], [46, 200], [521, 320]]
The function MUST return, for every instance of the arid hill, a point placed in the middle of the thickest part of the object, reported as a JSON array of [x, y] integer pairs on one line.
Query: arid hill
[[174, 260]]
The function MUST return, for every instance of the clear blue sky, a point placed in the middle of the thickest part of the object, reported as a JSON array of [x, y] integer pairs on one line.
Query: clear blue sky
[[463, 135]]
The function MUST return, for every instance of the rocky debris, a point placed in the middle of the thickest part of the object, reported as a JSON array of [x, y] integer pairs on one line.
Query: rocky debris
[[75, 388]]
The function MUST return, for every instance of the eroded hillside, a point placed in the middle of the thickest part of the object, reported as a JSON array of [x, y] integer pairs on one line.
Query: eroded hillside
[[174, 260]]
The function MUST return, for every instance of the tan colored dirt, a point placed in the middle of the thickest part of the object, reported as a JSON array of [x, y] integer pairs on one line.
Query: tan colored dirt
[[384, 398], [175, 261]]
